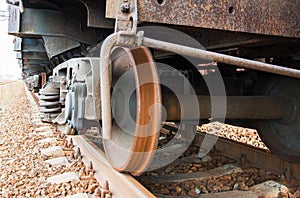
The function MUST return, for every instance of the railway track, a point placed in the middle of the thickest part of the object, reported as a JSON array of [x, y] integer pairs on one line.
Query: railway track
[[250, 156], [119, 184], [4, 82], [234, 170], [230, 170]]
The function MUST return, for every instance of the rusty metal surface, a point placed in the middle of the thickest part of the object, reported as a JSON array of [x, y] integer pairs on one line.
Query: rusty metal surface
[[276, 17], [96, 14], [121, 185], [134, 140], [57, 45], [215, 39], [32, 45], [13, 19], [35, 98], [42, 22], [34, 56], [31, 55]]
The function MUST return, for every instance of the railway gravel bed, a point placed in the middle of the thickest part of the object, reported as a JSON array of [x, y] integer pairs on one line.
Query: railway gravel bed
[[24, 172], [192, 176], [239, 134], [216, 174], [38, 161]]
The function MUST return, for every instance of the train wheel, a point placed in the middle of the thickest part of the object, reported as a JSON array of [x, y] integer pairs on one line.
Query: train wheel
[[282, 137], [136, 109]]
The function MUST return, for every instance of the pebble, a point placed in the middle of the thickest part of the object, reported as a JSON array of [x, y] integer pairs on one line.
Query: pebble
[[206, 158], [164, 191], [197, 191], [21, 158], [240, 134], [297, 193], [178, 189]]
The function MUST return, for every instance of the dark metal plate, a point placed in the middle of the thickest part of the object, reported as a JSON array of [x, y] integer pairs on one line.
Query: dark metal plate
[[276, 17]]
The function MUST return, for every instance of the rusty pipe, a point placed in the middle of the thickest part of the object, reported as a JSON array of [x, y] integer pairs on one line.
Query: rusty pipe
[[106, 49], [238, 107], [200, 53]]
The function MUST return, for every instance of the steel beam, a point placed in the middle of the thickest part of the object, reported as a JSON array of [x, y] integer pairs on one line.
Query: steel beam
[[42, 22], [96, 14], [57, 45], [34, 56], [18, 55], [17, 44], [33, 45], [276, 17], [36, 62]]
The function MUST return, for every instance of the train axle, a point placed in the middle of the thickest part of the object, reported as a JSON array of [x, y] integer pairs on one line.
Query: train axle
[[237, 107]]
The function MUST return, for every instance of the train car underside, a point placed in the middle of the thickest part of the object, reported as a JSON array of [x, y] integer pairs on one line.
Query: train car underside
[[128, 66]]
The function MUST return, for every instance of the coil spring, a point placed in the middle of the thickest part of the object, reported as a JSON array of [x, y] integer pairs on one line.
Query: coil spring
[[49, 103]]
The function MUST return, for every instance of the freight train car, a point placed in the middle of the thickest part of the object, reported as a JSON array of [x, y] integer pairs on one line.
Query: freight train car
[[129, 66]]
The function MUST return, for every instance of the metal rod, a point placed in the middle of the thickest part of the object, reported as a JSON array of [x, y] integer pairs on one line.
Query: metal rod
[[238, 107], [199, 53], [106, 49]]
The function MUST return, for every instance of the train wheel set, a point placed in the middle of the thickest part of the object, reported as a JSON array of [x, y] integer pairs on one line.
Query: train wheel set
[[110, 75]]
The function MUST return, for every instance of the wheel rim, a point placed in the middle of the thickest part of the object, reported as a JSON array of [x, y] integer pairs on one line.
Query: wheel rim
[[135, 130]]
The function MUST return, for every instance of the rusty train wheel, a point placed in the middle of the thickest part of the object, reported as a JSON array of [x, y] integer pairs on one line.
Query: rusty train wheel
[[136, 107], [282, 137]]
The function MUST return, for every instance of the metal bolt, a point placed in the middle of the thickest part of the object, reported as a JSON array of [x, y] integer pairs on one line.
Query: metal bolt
[[106, 185], [78, 157], [128, 67], [71, 145], [78, 154], [79, 161], [82, 172], [91, 166], [63, 135], [66, 145], [71, 156], [97, 193], [78, 151], [106, 194], [125, 7]]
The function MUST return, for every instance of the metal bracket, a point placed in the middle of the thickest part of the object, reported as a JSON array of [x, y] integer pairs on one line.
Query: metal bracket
[[126, 22], [17, 2], [127, 16], [125, 35]]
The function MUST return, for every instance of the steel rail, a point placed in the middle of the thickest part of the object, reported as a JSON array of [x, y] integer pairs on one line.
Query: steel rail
[[247, 155], [35, 98], [120, 184], [250, 156]]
